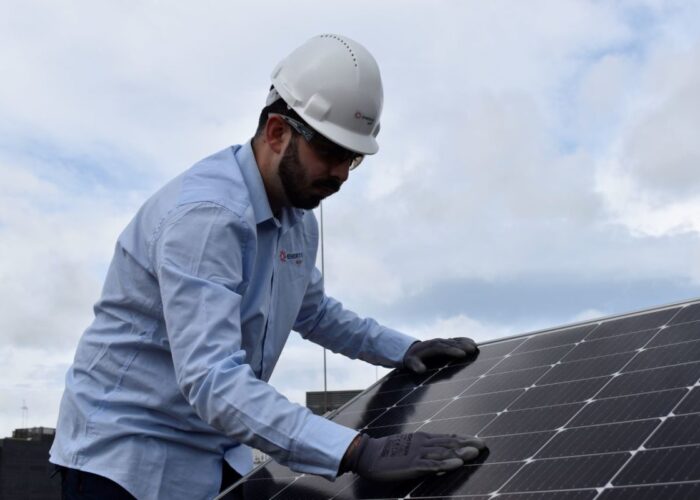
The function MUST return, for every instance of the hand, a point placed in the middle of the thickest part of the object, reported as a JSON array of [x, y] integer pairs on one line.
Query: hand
[[407, 456], [419, 352]]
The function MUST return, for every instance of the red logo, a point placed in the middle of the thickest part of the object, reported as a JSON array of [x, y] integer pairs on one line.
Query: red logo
[[296, 257]]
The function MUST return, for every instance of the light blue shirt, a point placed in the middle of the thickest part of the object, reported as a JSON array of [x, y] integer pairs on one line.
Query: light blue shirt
[[201, 294]]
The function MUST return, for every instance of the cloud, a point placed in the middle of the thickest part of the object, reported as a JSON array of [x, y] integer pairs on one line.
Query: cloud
[[55, 246], [649, 178], [537, 161], [33, 376]]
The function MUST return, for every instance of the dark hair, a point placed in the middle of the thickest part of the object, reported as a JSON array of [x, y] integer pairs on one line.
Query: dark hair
[[280, 107]]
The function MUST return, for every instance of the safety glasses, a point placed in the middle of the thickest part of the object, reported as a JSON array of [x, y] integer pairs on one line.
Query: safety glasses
[[327, 150]]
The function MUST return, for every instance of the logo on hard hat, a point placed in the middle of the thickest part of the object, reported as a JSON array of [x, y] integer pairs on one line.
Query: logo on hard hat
[[368, 119]]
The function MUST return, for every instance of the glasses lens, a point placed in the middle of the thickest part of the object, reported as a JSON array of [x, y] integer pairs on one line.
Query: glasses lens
[[323, 147], [333, 153], [356, 161]]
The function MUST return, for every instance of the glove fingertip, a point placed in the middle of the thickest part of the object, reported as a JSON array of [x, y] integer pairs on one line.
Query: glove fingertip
[[451, 464], [415, 365], [468, 453]]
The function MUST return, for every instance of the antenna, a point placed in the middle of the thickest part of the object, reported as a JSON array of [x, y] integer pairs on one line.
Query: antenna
[[25, 414], [323, 273]]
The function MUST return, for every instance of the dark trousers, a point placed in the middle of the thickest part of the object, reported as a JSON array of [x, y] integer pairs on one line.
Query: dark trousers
[[81, 485]]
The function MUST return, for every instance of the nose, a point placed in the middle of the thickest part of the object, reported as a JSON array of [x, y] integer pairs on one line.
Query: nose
[[341, 171]]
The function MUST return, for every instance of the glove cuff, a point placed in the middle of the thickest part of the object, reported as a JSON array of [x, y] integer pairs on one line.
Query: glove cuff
[[353, 453]]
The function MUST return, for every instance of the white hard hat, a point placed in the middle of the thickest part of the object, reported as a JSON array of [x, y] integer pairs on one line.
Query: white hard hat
[[334, 84]]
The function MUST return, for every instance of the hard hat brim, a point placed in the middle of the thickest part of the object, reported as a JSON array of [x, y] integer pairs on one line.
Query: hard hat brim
[[356, 142]]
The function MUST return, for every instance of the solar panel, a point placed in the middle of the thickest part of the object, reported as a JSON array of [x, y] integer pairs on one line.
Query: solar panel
[[606, 410]]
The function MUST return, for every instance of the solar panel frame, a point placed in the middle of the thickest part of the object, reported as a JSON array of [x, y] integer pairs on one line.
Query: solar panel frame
[[654, 347]]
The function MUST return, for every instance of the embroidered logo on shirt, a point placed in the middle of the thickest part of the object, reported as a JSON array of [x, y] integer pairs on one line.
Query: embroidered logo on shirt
[[296, 257]]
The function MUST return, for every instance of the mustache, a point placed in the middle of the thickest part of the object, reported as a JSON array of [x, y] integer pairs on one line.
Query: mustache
[[331, 183]]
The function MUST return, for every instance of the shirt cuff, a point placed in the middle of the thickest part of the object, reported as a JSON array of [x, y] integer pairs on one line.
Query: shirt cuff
[[395, 344], [321, 446]]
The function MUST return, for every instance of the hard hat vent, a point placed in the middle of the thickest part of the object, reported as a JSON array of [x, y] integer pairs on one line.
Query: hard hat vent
[[345, 44]]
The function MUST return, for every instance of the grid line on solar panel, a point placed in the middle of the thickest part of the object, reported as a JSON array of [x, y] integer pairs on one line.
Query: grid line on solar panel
[[532, 359], [634, 323], [368, 419], [628, 342], [646, 338], [505, 372], [603, 438], [624, 477], [419, 412], [554, 338], [531, 420], [652, 379], [565, 473], [516, 447], [470, 425], [388, 430], [686, 314], [661, 465], [479, 404], [462, 370], [584, 494], [508, 346], [628, 408], [669, 355], [470, 479], [691, 403], [585, 368], [500, 348], [668, 491], [505, 381], [538, 396], [676, 334]]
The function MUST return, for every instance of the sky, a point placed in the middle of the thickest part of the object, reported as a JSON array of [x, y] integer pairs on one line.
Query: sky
[[539, 162]]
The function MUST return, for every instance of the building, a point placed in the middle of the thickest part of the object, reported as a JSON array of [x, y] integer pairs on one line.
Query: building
[[321, 402], [25, 471]]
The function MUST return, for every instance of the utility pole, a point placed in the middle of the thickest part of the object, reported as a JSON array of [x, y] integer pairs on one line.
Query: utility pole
[[25, 414], [323, 273]]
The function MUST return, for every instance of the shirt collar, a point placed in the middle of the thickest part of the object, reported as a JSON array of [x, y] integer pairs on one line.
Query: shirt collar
[[258, 196]]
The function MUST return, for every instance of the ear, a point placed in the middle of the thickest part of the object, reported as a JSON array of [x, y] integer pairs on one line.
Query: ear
[[277, 134]]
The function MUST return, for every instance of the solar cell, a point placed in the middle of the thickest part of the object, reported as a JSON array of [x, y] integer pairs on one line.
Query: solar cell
[[655, 379], [605, 410], [675, 334], [689, 313], [691, 403], [677, 431], [596, 439], [479, 404], [663, 465], [610, 345], [626, 408], [568, 473], [560, 393], [687, 491], [471, 424]]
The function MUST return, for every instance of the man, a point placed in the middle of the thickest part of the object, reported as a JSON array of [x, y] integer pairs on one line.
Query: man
[[169, 383]]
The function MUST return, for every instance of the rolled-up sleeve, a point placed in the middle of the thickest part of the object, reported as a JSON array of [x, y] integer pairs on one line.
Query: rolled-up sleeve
[[199, 258], [325, 321]]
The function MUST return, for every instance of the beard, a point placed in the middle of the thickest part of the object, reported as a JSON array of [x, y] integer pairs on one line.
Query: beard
[[295, 181]]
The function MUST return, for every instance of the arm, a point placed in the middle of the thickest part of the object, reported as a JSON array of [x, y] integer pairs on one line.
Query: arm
[[198, 258], [323, 320]]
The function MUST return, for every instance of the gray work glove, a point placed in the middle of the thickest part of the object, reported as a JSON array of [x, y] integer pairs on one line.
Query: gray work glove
[[419, 352], [408, 456]]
